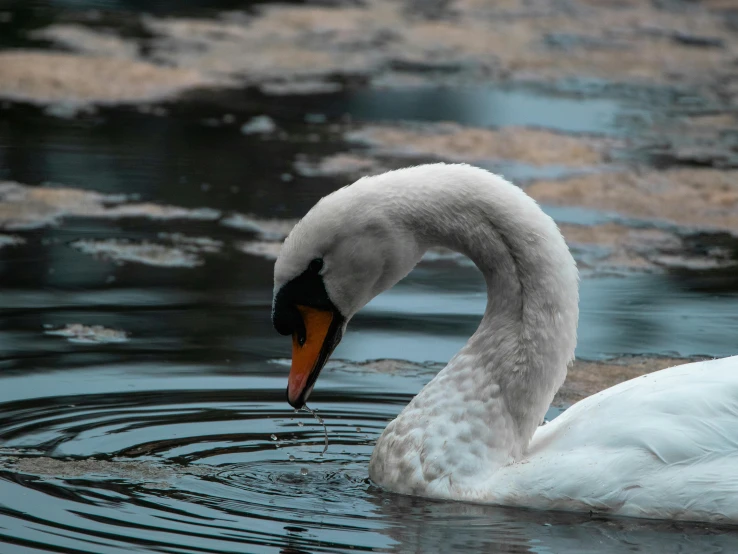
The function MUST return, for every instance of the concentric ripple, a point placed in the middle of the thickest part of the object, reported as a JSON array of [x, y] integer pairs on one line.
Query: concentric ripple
[[190, 470], [223, 469]]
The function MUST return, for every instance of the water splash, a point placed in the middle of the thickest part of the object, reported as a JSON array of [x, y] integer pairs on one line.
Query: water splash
[[320, 420]]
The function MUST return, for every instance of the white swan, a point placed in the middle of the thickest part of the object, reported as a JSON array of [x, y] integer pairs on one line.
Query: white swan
[[660, 446]]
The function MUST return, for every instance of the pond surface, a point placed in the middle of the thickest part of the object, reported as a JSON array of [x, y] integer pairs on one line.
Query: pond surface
[[177, 438]]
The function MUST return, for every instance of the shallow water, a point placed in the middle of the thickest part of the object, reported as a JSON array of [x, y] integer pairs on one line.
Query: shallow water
[[177, 438]]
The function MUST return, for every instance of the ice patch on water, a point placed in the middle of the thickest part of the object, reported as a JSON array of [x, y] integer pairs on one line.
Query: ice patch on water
[[43, 77], [157, 474], [343, 164], [265, 229], [193, 244], [262, 249], [89, 334], [11, 240], [454, 142], [147, 253], [27, 207], [259, 125], [88, 41]]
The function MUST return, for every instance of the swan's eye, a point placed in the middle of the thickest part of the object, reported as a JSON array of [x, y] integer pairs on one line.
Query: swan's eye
[[316, 265]]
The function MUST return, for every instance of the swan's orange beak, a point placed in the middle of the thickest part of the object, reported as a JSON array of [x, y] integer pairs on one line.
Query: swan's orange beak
[[309, 354]]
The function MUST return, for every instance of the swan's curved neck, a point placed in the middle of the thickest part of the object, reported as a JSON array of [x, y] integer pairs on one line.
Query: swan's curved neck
[[509, 370]]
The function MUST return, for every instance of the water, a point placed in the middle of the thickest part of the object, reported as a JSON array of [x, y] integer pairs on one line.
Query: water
[[485, 107], [178, 438]]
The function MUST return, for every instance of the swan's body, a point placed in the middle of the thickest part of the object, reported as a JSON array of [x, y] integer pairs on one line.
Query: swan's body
[[661, 446]]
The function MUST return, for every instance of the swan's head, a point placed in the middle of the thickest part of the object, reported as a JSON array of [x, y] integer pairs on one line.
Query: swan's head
[[345, 251]]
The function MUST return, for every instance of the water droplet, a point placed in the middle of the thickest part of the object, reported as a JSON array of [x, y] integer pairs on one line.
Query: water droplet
[[358, 429], [303, 471], [292, 458], [300, 423], [320, 420], [274, 437]]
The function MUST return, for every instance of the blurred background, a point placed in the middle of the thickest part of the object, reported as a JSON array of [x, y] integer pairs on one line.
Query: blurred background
[[154, 155]]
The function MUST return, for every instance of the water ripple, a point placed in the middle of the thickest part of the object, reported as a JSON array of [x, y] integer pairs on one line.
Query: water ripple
[[213, 471]]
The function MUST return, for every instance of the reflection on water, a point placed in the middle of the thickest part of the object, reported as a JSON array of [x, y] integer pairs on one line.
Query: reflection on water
[[192, 398], [482, 107]]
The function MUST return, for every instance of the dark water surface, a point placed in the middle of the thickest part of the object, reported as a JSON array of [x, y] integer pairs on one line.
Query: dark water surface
[[179, 440]]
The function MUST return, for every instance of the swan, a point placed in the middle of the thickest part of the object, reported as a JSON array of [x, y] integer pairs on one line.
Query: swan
[[662, 446]]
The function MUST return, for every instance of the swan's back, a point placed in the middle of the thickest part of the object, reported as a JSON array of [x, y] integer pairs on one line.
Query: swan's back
[[663, 446]]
